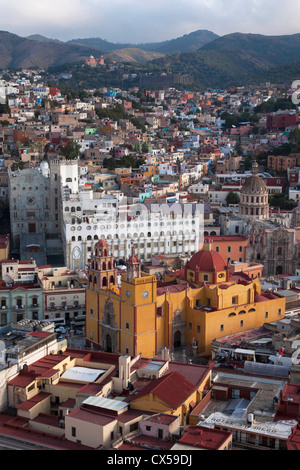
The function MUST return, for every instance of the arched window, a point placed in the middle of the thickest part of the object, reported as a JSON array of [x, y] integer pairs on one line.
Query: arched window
[[242, 312], [104, 266], [231, 315], [112, 280], [104, 282]]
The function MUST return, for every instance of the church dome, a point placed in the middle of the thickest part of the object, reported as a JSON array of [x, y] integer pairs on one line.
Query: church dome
[[207, 261], [254, 185], [254, 197], [101, 243]]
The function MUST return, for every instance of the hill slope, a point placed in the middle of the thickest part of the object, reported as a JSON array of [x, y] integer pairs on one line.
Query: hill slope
[[133, 55], [236, 59], [257, 50], [16, 52], [187, 43]]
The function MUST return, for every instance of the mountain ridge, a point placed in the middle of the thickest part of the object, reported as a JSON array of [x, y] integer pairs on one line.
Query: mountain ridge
[[187, 42]]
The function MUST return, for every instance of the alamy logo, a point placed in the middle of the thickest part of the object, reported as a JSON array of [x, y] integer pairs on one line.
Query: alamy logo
[[296, 92], [296, 354], [2, 351]]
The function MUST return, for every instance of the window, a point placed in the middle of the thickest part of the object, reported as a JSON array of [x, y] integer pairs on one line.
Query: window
[[159, 311], [127, 326], [279, 312], [73, 431], [267, 315], [229, 249], [198, 329], [242, 324], [241, 249], [235, 300], [235, 393], [222, 328], [190, 326]]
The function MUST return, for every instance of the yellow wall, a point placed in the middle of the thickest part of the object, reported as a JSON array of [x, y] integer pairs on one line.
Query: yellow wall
[[142, 331], [152, 404]]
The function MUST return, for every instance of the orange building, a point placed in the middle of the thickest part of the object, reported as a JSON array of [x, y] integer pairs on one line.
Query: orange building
[[231, 247], [283, 162]]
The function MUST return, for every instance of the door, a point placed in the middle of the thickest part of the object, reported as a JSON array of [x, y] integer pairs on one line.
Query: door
[[177, 339], [108, 344]]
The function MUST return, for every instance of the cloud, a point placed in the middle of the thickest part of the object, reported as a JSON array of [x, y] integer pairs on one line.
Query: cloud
[[140, 21]]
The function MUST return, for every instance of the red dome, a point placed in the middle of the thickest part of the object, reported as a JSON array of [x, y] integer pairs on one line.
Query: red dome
[[133, 259], [101, 243], [207, 262]]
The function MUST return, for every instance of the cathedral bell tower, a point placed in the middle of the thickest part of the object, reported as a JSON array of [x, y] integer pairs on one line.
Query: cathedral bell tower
[[133, 267], [102, 273]]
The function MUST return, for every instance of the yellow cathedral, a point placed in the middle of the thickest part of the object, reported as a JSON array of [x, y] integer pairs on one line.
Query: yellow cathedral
[[190, 308]]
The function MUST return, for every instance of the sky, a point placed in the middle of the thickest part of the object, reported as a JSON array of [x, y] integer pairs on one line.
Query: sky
[[137, 21]]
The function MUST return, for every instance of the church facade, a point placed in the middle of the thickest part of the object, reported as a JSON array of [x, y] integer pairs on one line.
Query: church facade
[[189, 309], [273, 238]]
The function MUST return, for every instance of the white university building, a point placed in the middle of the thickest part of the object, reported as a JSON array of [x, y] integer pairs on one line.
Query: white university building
[[89, 216]]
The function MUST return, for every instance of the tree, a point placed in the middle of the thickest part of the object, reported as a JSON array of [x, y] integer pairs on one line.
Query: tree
[[71, 151], [280, 201], [232, 198], [110, 163]]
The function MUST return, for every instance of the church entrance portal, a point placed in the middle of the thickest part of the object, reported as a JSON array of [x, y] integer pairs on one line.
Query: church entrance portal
[[279, 270], [177, 339], [108, 344]]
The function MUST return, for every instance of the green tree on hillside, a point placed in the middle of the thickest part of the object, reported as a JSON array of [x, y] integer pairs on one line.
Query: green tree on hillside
[[71, 151]]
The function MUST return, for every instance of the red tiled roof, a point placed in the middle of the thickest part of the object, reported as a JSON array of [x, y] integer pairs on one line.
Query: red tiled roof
[[172, 288], [22, 380], [151, 441], [40, 334], [173, 389], [91, 416], [33, 401], [204, 438]]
